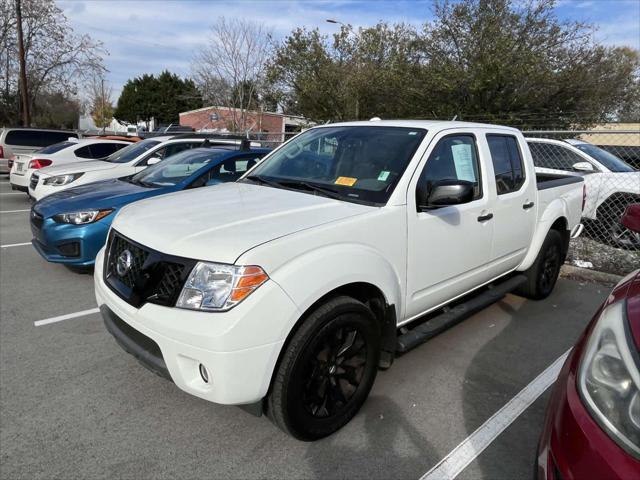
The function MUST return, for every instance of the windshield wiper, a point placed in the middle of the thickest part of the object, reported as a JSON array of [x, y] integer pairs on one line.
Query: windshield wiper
[[264, 181], [324, 191]]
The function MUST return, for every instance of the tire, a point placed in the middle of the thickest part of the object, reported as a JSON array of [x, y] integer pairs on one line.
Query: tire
[[543, 274], [326, 371]]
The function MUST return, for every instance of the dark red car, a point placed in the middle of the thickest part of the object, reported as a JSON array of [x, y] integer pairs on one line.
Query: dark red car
[[592, 425]]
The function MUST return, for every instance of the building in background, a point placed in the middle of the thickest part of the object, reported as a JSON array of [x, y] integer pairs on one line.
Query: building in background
[[271, 125]]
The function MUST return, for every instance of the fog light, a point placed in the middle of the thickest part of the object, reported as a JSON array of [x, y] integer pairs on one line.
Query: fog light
[[204, 374]]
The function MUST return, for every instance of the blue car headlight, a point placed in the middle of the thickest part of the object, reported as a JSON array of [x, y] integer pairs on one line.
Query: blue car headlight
[[82, 218], [62, 179]]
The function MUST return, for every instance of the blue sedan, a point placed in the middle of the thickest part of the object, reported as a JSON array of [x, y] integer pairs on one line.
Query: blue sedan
[[71, 226]]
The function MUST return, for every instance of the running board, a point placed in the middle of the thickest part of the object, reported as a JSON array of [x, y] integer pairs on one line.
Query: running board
[[450, 317]]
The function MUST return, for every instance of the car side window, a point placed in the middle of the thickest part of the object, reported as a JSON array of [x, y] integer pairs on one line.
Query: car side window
[[507, 163], [232, 169], [454, 158], [104, 149], [84, 152], [547, 155]]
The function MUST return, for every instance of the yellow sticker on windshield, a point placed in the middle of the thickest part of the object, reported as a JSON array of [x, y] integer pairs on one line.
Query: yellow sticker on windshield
[[348, 181]]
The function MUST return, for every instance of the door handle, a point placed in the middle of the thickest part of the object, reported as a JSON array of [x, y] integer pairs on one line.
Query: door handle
[[484, 218], [527, 206]]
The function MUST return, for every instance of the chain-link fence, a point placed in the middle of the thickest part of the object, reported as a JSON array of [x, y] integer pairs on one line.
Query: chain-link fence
[[609, 162]]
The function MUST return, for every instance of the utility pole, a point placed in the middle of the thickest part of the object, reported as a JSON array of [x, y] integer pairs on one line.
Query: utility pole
[[104, 125], [24, 92]]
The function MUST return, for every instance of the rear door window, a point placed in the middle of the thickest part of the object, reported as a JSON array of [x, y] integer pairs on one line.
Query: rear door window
[[507, 163]]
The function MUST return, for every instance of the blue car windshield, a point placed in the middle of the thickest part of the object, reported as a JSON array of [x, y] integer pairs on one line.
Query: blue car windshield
[[176, 168], [56, 147], [131, 152], [609, 160]]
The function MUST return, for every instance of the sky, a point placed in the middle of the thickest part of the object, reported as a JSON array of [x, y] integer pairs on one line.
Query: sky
[[148, 36]]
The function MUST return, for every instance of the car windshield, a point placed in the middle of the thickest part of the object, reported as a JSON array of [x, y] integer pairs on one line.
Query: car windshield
[[177, 167], [609, 160], [359, 164], [56, 147], [131, 152]]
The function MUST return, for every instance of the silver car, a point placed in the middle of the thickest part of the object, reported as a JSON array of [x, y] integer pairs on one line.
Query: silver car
[[16, 141]]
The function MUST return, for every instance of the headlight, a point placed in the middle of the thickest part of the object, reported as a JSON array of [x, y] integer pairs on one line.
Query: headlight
[[81, 218], [609, 380], [62, 179], [215, 286]]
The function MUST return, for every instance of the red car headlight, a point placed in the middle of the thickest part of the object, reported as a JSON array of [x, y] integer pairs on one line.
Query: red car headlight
[[609, 379]]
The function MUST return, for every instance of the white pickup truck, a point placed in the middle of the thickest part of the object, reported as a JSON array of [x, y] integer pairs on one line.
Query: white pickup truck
[[352, 242]]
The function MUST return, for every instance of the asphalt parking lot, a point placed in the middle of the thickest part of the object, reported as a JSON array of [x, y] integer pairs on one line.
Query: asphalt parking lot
[[74, 405]]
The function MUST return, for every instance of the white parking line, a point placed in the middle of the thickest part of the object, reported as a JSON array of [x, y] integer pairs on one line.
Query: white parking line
[[68, 316], [12, 193], [15, 245], [460, 457], [14, 211]]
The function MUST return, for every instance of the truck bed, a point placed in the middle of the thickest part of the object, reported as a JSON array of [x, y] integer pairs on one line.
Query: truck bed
[[552, 180]]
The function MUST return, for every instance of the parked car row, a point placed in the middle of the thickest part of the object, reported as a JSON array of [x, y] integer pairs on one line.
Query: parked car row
[[285, 283]]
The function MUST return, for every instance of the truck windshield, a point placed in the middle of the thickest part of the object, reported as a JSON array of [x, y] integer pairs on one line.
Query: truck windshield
[[131, 152], [359, 164], [609, 160]]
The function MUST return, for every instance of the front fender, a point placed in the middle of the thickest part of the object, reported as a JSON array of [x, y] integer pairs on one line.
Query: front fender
[[310, 276], [555, 210]]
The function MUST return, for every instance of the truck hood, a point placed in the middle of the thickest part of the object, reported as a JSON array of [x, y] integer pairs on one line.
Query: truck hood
[[220, 223], [75, 167], [97, 195]]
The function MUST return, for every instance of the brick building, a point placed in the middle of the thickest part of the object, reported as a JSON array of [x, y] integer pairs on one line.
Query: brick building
[[221, 119]]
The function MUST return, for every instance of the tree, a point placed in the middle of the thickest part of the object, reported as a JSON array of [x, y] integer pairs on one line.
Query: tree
[[56, 59], [161, 98], [486, 60], [498, 60], [229, 70], [101, 108], [354, 74]]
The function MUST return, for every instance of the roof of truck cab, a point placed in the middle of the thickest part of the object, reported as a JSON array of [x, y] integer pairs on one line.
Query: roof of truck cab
[[426, 124]]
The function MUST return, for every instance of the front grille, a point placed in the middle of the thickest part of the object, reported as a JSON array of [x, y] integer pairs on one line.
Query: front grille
[[36, 220], [34, 181], [145, 275]]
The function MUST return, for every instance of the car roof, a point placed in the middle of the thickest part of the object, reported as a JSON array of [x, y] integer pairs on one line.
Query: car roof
[[228, 149], [426, 124]]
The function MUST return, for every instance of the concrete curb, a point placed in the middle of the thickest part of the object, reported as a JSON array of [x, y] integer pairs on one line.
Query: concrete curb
[[591, 276]]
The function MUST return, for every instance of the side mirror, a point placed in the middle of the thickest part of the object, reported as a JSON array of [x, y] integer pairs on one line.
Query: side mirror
[[631, 217], [447, 192], [583, 167], [153, 160]]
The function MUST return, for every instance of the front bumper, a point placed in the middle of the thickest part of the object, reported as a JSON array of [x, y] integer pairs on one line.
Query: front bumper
[[572, 445], [53, 241], [239, 348]]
